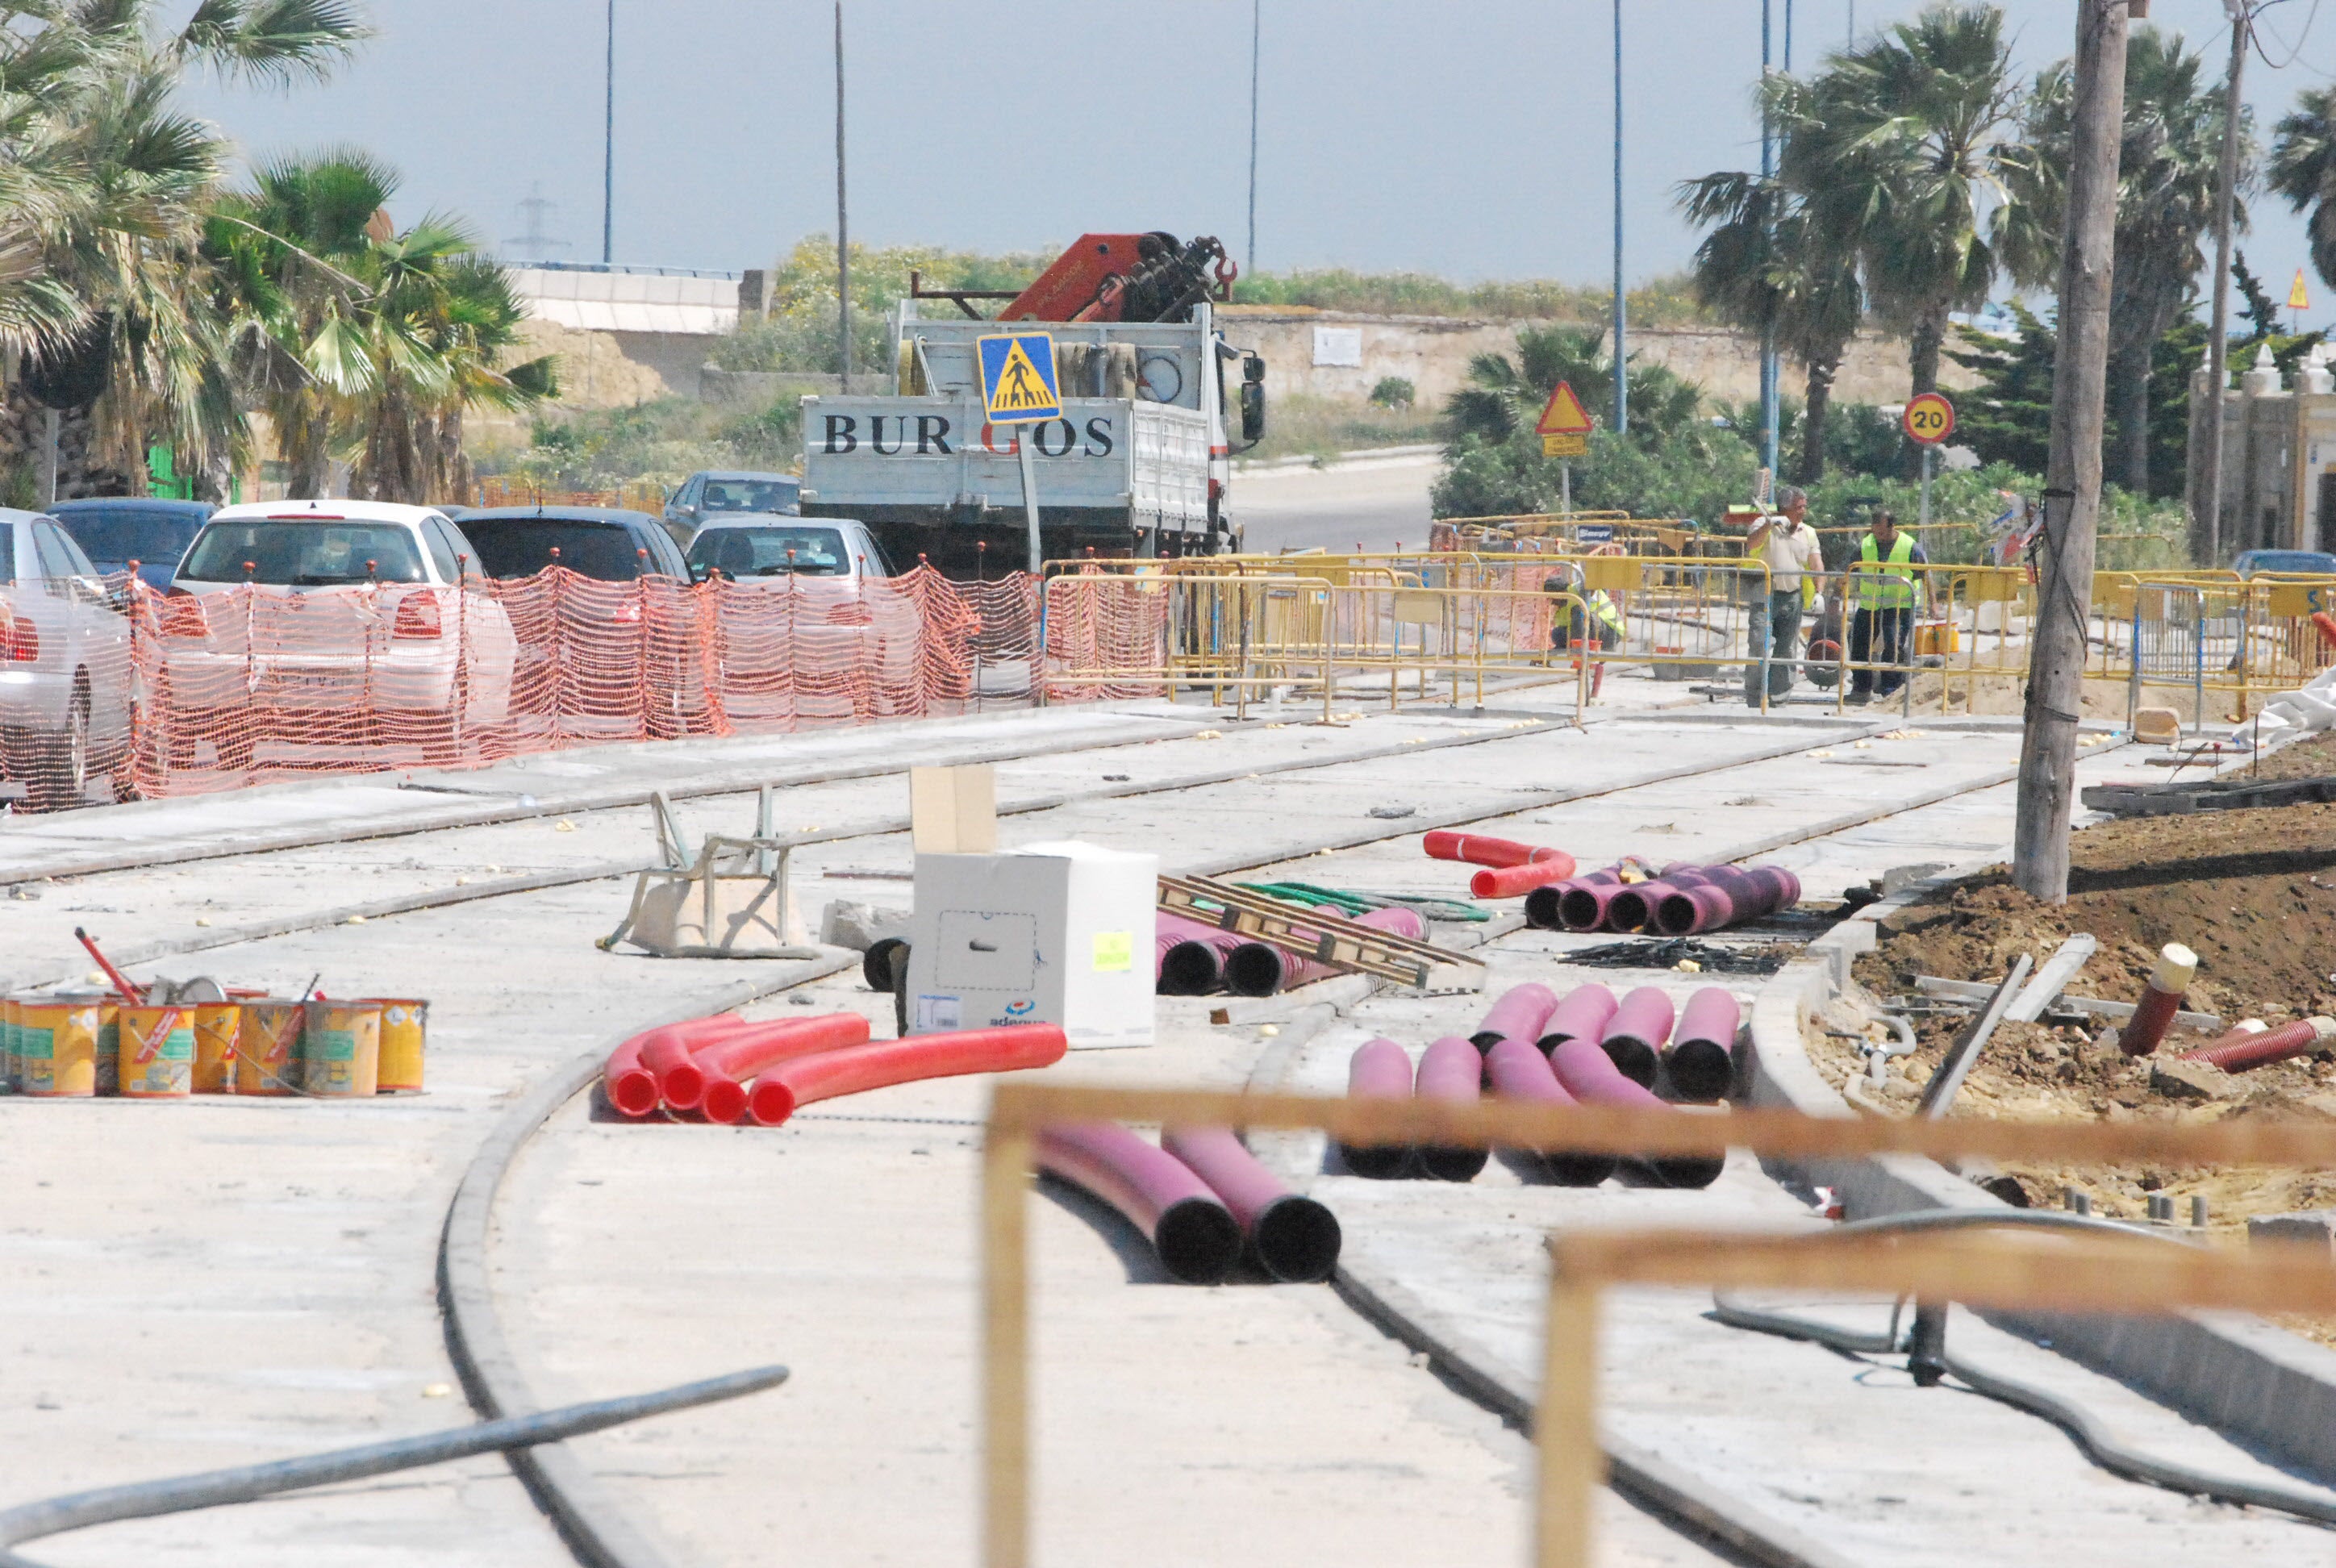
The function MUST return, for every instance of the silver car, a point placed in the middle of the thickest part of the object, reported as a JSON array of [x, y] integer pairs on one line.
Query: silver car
[[710, 493], [65, 675]]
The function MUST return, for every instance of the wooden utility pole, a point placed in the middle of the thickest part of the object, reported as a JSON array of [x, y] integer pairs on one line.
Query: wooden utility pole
[[2206, 490], [2072, 474]]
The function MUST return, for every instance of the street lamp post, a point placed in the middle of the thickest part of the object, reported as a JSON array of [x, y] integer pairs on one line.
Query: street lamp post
[[1768, 409], [609, 150], [1621, 300]]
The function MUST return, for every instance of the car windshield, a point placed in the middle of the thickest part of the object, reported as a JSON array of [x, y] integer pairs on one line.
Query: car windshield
[[303, 553], [749, 495], [130, 533], [771, 551], [521, 546]]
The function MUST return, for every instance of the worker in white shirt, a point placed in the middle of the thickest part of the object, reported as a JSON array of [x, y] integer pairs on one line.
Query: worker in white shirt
[[1789, 547]]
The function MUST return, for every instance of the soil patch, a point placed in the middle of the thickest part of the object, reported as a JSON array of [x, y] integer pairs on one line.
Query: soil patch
[[2253, 892], [2313, 758]]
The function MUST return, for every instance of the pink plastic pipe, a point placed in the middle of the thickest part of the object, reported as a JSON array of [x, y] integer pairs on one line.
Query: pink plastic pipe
[[1590, 1075], [1453, 1071], [1259, 969], [1518, 1071], [1702, 1058], [1634, 1036], [1294, 1239], [1519, 1015], [1544, 906], [1583, 1014], [1379, 1070], [1195, 1234], [1191, 957]]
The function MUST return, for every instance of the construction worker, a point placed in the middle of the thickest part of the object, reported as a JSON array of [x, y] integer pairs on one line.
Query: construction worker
[[1882, 631], [1789, 547], [1572, 632]]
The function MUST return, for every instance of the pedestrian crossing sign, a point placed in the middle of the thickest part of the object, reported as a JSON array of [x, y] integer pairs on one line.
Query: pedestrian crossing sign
[[1017, 378]]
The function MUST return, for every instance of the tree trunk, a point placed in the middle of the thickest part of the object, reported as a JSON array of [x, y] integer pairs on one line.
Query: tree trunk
[[1930, 336], [1819, 393], [304, 441], [2129, 395]]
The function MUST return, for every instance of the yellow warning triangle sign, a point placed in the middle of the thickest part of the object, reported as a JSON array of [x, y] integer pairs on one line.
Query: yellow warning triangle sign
[[1564, 415], [1020, 387], [2298, 298]]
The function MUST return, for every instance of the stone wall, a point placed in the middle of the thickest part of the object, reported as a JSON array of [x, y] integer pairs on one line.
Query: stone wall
[[1433, 354]]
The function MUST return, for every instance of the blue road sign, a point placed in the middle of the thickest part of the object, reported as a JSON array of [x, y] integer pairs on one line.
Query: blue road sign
[[1017, 378], [1593, 534]]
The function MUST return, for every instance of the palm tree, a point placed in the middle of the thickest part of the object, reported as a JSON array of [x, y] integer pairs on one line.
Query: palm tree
[[2303, 168], [1506, 395], [1906, 148], [2168, 159], [1766, 264], [101, 285]]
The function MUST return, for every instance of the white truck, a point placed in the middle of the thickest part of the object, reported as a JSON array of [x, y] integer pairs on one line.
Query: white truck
[[1137, 465]]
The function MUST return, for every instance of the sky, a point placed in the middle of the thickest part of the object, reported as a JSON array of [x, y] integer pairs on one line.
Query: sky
[[1473, 141]]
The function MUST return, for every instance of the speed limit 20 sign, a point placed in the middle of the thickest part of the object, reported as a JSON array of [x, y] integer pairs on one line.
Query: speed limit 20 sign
[[1929, 419]]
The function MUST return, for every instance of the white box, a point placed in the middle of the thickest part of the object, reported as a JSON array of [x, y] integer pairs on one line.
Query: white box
[[1050, 933]]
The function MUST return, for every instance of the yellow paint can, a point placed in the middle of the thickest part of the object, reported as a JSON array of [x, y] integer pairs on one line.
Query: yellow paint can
[[340, 1050], [267, 1047], [157, 1052], [217, 1025], [109, 1034], [403, 1021], [56, 1046]]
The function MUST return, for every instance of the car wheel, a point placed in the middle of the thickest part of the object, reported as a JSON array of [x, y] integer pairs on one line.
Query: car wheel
[[59, 778]]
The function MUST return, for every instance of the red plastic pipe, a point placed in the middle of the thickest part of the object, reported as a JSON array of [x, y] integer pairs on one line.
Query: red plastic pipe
[[1443, 844], [880, 1063], [1583, 1014], [2240, 1052], [1591, 1075], [1295, 1240], [2160, 1000], [731, 1064], [1518, 1071], [1510, 881], [1453, 1071], [742, 1052], [1635, 1036], [1379, 1070], [1261, 969], [1702, 1058], [629, 1077], [1192, 1232], [1519, 1015]]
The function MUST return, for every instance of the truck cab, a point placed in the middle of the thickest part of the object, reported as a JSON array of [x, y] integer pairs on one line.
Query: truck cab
[[1138, 465]]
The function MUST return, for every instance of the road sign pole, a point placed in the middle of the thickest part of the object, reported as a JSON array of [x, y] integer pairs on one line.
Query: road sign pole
[[1024, 440], [1565, 488], [1929, 453]]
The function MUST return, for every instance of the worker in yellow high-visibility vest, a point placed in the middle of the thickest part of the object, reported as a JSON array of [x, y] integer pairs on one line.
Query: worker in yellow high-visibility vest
[[1883, 589], [1602, 625]]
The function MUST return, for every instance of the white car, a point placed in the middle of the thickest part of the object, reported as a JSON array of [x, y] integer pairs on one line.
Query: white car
[[332, 622], [64, 666], [809, 624]]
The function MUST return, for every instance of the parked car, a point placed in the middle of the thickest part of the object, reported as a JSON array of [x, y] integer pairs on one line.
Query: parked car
[[114, 530], [599, 542], [808, 625], [361, 602], [65, 676], [577, 669], [712, 493], [2286, 562], [740, 548]]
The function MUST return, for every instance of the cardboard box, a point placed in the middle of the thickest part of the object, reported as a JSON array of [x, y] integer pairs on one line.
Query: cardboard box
[[1052, 933]]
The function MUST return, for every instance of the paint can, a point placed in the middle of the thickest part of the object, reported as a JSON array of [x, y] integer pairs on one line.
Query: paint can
[[403, 1024], [56, 1046], [157, 1052], [108, 1005], [217, 1025], [340, 1050], [8, 1081], [267, 1047]]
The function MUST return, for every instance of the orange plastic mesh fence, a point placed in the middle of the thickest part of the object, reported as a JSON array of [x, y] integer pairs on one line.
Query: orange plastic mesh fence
[[183, 694]]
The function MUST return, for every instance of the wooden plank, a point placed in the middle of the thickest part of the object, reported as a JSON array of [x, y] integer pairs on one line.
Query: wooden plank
[[1940, 1093], [1571, 1460], [2268, 1140], [2052, 979], [1006, 1166], [1979, 990]]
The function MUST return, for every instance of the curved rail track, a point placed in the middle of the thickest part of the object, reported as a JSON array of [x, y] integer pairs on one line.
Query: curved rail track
[[1616, 785]]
